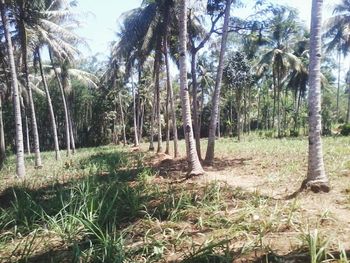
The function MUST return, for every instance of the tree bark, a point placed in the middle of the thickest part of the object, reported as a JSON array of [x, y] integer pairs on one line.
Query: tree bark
[[23, 36], [157, 89], [167, 126], [151, 141], [195, 165], [196, 129], [66, 117], [338, 87], [216, 98], [171, 96], [49, 102], [20, 167], [316, 176]]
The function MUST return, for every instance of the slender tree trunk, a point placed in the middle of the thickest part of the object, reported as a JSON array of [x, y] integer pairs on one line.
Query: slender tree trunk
[[151, 141], [192, 156], [23, 36], [157, 88], [52, 114], [2, 137], [167, 119], [122, 118], [216, 98], [338, 88], [274, 99], [24, 113], [66, 116], [258, 124], [248, 109], [136, 140], [278, 103], [71, 131], [195, 104], [316, 176], [20, 167], [348, 111], [238, 102], [142, 113], [219, 124], [171, 97]]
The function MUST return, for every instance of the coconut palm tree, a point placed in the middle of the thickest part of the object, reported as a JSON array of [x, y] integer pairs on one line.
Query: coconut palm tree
[[196, 30], [192, 156], [216, 97], [23, 14], [316, 177], [49, 103], [338, 36], [20, 166]]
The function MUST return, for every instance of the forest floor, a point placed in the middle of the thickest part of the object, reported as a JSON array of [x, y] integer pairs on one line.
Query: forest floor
[[120, 204]]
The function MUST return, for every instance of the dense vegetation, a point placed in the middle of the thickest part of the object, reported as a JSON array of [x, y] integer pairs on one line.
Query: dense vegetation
[[185, 72]]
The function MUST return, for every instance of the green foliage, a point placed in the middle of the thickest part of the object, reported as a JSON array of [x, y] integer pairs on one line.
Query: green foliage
[[345, 130]]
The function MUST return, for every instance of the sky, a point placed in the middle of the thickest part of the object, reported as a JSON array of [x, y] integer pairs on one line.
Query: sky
[[102, 16]]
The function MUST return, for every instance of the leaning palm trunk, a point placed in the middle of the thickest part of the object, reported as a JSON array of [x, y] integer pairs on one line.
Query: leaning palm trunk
[[316, 176], [216, 98], [20, 168], [2, 137], [195, 165], [66, 117], [23, 35], [49, 102], [71, 131]]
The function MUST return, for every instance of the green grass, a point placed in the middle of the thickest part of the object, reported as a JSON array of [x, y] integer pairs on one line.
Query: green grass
[[108, 204]]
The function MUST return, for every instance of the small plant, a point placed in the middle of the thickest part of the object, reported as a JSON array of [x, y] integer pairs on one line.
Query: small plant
[[316, 245]]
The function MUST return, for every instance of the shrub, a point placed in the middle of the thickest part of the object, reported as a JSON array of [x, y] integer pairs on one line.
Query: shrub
[[345, 130]]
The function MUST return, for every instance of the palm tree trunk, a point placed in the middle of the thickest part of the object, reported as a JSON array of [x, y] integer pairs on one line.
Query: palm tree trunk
[[167, 118], [238, 102], [338, 88], [24, 113], [136, 140], [20, 167], [23, 36], [216, 98], [71, 131], [2, 137], [122, 118], [157, 88], [171, 97], [195, 104], [141, 121], [192, 156], [66, 117], [348, 111], [151, 144], [316, 176], [52, 114], [258, 124]]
